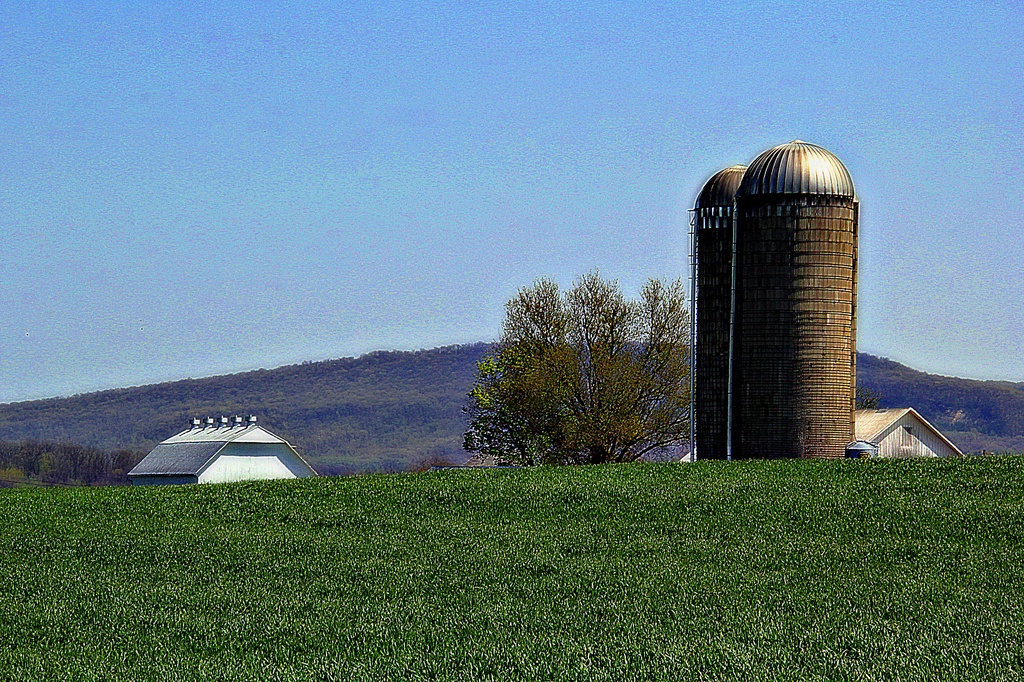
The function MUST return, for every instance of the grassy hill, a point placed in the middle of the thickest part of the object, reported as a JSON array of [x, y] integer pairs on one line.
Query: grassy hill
[[386, 410], [762, 570]]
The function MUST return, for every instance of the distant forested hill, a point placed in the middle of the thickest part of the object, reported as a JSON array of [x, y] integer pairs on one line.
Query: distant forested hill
[[383, 410], [388, 410], [976, 415]]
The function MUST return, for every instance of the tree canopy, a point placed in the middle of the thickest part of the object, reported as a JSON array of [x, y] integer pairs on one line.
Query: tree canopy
[[866, 399], [584, 376]]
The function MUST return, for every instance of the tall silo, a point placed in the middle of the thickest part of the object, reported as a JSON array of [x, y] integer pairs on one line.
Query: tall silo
[[713, 233], [794, 339]]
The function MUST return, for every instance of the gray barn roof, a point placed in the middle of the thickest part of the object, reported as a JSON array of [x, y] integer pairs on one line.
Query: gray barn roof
[[177, 459], [245, 433]]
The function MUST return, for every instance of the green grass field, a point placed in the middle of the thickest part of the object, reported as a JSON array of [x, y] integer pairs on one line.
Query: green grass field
[[846, 570]]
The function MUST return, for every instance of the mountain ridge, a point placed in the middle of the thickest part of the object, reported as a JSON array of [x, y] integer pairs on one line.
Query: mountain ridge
[[386, 410]]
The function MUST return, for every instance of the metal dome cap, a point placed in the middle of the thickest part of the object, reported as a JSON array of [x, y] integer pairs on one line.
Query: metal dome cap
[[721, 188], [797, 167]]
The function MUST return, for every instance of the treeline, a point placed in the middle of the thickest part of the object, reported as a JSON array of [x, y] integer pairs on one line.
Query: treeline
[[55, 463]]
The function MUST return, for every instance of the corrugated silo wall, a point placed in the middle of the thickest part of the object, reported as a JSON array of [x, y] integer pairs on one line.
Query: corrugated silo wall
[[714, 303], [794, 340]]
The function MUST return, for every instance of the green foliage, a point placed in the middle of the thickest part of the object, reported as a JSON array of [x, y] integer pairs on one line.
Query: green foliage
[[796, 570], [588, 377], [866, 399], [515, 406]]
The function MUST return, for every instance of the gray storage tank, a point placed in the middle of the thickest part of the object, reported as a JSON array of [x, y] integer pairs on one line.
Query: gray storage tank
[[713, 252]]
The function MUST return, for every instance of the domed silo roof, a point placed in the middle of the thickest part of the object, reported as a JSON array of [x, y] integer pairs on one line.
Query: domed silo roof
[[797, 168], [721, 188]]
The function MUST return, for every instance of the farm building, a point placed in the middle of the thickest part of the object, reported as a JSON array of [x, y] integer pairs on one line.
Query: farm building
[[220, 451], [902, 432]]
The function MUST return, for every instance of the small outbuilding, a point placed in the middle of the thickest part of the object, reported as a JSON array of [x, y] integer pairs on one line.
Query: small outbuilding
[[485, 461], [902, 432], [220, 451]]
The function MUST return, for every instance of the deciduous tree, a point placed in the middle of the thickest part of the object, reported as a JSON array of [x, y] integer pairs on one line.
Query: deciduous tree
[[866, 399], [587, 376]]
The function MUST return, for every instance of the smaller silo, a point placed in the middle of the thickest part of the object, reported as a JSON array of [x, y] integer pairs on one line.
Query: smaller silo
[[713, 258]]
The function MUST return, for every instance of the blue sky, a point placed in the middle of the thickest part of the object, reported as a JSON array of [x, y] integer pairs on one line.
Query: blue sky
[[191, 190]]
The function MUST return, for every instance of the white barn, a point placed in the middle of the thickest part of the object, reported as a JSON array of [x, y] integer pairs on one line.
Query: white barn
[[902, 432], [220, 452]]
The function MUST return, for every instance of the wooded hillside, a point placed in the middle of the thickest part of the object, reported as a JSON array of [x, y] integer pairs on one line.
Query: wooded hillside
[[380, 411], [976, 415], [388, 410]]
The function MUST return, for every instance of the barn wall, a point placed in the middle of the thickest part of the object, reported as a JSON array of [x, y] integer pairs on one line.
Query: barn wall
[[254, 461], [920, 442]]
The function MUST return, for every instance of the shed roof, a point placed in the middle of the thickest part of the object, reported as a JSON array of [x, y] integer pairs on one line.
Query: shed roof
[[481, 459], [869, 424]]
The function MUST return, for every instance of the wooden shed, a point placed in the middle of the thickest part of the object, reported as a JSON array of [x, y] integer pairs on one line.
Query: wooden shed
[[902, 432], [220, 451]]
